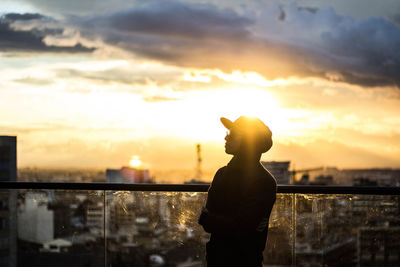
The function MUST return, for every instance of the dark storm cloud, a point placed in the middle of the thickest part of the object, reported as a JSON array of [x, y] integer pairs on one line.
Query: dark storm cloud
[[191, 35], [366, 52], [33, 40], [396, 19], [309, 9], [276, 40], [25, 16], [172, 32], [181, 20], [295, 41]]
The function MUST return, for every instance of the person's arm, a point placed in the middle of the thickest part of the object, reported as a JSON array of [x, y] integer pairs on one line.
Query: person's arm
[[250, 213], [204, 214], [214, 223]]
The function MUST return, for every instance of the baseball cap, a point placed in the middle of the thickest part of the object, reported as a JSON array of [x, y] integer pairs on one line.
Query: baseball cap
[[252, 128]]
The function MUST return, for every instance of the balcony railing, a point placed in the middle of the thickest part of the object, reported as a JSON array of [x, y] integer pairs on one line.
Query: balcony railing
[[102, 224]]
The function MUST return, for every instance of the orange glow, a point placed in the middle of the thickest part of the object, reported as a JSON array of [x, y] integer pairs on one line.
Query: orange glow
[[249, 78], [135, 162], [192, 76]]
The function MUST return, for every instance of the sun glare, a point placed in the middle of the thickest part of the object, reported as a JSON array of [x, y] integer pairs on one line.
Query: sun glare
[[135, 162], [260, 104], [209, 106]]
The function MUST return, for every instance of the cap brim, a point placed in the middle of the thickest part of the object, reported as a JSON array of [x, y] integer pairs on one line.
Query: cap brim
[[227, 123]]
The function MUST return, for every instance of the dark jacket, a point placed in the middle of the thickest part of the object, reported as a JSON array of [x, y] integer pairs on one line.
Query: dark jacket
[[239, 203]]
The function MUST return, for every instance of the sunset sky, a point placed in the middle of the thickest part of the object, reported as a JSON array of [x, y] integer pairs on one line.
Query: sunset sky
[[88, 83]]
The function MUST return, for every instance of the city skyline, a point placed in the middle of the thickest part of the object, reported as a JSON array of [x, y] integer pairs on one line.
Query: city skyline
[[88, 85]]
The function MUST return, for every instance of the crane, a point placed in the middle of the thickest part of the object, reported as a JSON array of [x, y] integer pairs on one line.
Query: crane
[[293, 173]]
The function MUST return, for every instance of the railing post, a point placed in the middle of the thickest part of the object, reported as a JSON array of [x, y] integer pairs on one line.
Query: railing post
[[294, 230], [105, 226]]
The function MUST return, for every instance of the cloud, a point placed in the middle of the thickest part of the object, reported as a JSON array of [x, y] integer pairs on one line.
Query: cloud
[[281, 41], [396, 19], [36, 128], [274, 39], [160, 98], [26, 16], [34, 81], [199, 21], [32, 40], [110, 75], [365, 51], [81, 7], [133, 75]]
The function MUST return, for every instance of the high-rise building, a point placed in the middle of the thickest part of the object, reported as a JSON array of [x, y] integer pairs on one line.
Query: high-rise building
[[8, 214], [279, 169], [8, 158]]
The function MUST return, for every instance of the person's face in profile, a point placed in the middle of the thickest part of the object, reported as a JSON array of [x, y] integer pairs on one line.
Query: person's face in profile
[[233, 141]]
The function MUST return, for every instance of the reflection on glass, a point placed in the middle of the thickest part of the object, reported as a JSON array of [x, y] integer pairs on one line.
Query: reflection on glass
[[121, 228], [161, 229], [279, 247], [347, 230], [154, 229], [60, 228], [8, 229]]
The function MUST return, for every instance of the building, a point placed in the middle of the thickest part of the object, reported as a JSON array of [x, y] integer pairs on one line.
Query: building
[[279, 169], [8, 158], [363, 210], [363, 177], [8, 214], [57, 246], [95, 216], [375, 176], [122, 215], [35, 220], [62, 218], [128, 175], [323, 180], [378, 246]]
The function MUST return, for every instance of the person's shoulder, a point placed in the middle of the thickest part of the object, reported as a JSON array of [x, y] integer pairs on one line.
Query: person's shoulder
[[219, 174], [221, 170], [267, 179]]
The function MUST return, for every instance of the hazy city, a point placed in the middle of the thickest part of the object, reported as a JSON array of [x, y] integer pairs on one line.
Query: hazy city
[[110, 130], [125, 228]]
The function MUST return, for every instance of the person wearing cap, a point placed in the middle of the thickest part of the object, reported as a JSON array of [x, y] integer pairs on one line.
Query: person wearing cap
[[240, 198]]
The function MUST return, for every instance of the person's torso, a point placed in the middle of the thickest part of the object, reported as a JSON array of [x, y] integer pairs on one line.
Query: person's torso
[[233, 183]]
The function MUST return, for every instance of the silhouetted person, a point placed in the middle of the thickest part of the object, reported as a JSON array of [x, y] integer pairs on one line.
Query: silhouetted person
[[240, 198]]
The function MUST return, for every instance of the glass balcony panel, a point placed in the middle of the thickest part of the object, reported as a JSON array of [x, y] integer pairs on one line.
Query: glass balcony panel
[[72, 228], [8, 228], [347, 230], [161, 228], [280, 243], [155, 229], [60, 228], [376, 224]]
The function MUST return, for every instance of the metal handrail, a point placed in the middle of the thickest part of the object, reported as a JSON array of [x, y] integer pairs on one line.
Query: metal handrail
[[299, 189]]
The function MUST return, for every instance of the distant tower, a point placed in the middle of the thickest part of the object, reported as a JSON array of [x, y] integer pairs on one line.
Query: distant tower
[[199, 172]]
